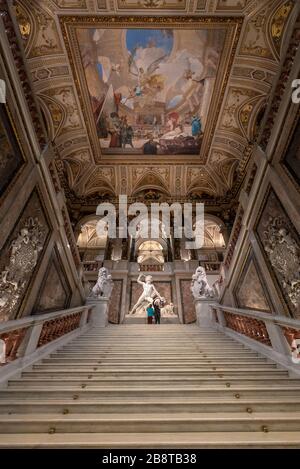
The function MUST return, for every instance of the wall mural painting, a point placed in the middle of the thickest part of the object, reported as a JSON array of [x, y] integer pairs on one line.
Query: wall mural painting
[[292, 157], [21, 255], [250, 292], [150, 89], [11, 158], [55, 291], [281, 246]]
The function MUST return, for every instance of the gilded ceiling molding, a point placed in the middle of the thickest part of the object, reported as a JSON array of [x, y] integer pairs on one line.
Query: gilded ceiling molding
[[225, 168], [286, 68], [22, 72], [101, 181], [151, 178], [38, 29]]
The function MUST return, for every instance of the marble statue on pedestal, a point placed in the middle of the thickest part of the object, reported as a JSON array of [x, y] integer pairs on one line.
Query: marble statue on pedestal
[[200, 287], [104, 284], [149, 293]]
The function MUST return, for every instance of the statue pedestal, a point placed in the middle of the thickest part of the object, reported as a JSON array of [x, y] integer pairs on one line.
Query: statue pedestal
[[203, 312], [100, 312]]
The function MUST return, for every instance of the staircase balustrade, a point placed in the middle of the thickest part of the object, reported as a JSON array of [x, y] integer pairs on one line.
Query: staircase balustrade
[[23, 337], [279, 334]]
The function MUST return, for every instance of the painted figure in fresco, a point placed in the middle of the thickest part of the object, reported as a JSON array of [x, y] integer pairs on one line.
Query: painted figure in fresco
[[127, 133], [196, 126], [115, 131], [149, 292], [152, 71], [150, 147]]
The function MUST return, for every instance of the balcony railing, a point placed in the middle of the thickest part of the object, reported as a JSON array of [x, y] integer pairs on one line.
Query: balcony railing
[[23, 337], [278, 334], [91, 266], [211, 266], [151, 268]]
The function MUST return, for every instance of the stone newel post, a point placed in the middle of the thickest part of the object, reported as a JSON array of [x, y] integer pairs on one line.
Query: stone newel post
[[203, 295], [100, 297]]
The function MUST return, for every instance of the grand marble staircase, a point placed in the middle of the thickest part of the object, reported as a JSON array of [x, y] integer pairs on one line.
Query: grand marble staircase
[[153, 386]]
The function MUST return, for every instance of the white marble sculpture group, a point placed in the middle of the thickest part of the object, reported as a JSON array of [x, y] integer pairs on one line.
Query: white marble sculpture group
[[149, 293], [199, 287], [104, 284]]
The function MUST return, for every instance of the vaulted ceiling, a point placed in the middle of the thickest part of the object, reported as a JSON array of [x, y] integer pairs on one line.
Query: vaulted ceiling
[[248, 65]]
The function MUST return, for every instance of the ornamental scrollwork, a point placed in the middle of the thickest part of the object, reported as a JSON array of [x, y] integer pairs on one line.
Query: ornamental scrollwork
[[283, 253], [23, 257]]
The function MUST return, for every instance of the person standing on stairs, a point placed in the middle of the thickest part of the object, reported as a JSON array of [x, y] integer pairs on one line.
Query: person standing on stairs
[[150, 313], [157, 315]]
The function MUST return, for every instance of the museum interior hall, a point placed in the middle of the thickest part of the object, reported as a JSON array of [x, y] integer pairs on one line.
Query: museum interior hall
[[150, 220]]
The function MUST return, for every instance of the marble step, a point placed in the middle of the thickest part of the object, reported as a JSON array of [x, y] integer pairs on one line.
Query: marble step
[[154, 353], [153, 369], [141, 382], [152, 366], [157, 392], [156, 359], [154, 375], [150, 360], [149, 423], [147, 406], [185, 440]]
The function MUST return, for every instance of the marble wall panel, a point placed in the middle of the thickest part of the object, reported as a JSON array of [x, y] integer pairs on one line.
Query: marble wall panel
[[188, 307], [55, 292], [250, 291]]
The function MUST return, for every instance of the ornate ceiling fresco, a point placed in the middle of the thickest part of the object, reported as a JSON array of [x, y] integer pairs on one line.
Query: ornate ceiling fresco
[[197, 84], [149, 89]]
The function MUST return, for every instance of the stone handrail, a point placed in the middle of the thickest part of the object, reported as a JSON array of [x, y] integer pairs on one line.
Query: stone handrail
[[22, 337], [274, 333]]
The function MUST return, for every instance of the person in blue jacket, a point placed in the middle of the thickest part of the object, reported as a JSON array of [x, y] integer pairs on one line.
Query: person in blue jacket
[[150, 314]]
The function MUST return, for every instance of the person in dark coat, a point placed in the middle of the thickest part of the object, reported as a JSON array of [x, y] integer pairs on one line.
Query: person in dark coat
[[156, 305]]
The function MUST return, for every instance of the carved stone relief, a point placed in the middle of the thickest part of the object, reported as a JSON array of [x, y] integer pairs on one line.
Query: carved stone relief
[[281, 246], [21, 255]]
